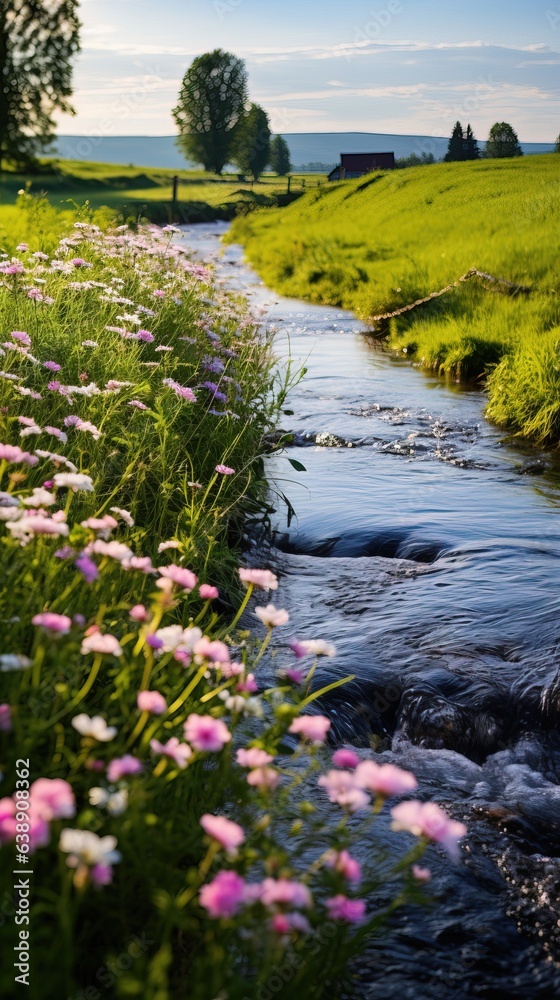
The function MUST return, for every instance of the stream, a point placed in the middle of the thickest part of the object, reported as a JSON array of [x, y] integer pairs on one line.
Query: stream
[[425, 545]]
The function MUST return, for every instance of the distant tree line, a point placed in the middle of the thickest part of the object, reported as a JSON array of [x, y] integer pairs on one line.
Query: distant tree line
[[502, 143], [219, 125]]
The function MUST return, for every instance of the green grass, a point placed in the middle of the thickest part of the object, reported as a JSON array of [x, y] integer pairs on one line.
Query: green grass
[[378, 243], [134, 191]]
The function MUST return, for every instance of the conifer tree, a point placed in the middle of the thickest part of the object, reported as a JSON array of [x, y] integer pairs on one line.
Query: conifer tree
[[456, 147], [38, 39], [472, 152]]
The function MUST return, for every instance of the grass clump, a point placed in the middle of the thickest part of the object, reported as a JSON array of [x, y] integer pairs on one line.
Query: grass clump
[[377, 246]]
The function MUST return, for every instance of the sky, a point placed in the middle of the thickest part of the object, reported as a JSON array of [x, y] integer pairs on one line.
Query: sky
[[400, 66]]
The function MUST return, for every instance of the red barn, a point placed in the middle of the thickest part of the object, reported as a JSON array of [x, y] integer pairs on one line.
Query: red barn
[[358, 164]]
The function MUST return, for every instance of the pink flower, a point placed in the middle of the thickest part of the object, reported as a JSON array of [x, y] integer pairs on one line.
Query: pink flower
[[384, 779], [342, 862], [51, 366], [215, 651], [139, 613], [345, 758], [11, 453], [346, 911], [178, 752], [253, 757], [272, 617], [225, 470], [101, 874], [263, 777], [294, 676], [228, 834], [183, 578], [426, 819], [5, 718], [138, 404], [421, 874], [52, 622], [207, 592], [248, 685], [22, 337], [285, 892], [261, 578], [285, 923], [223, 896], [146, 336], [52, 798], [311, 727], [121, 767], [98, 643], [151, 701], [206, 733], [342, 791]]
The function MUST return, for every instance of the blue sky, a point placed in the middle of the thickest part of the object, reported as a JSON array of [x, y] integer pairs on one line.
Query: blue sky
[[404, 66]]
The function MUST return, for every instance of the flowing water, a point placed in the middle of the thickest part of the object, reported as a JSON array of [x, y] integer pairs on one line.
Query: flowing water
[[427, 548]]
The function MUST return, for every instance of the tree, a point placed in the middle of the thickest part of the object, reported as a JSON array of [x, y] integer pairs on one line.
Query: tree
[[557, 145], [280, 156], [502, 142], [37, 41], [472, 152], [251, 148], [211, 104], [455, 149]]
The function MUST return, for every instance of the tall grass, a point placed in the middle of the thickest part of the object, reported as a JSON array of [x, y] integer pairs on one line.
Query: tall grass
[[374, 245]]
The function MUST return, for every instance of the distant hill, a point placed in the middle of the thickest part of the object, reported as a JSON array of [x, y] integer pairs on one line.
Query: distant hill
[[306, 148]]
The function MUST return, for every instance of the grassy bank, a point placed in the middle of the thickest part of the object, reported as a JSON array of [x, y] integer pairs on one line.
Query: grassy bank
[[376, 244], [137, 191], [134, 396]]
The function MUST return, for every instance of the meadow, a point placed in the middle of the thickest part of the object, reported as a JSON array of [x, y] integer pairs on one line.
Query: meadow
[[376, 244], [134, 192], [170, 819]]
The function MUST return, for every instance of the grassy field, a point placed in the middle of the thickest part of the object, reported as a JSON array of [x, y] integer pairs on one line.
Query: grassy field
[[134, 191], [376, 244]]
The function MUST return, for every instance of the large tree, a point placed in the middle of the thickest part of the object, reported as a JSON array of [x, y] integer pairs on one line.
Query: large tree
[[502, 142], [211, 103], [472, 152], [37, 41], [251, 148], [280, 156], [456, 146]]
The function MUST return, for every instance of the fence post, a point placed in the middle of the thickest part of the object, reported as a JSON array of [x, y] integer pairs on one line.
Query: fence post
[[289, 184]]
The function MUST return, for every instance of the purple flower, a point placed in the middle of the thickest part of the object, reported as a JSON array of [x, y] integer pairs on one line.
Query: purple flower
[[146, 336], [87, 568], [51, 365]]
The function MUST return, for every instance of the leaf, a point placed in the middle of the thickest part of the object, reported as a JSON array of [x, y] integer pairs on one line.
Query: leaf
[[329, 687], [291, 511], [297, 465]]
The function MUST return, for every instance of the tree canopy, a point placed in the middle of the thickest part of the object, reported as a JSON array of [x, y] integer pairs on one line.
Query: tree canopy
[[251, 147], [502, 142], [38, 39], [462, 144], [280, 156], [211, 104]]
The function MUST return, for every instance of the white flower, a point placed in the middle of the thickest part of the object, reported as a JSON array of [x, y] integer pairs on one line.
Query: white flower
[[164, 546], [254, 708], [56, 458], [74, 481], [25, 528], [272, 617], [125, 514], [40, 498], [13, 661], [235, 703], [33, 429], [85, 848], [318, 647], [114, 802], [96, 727]]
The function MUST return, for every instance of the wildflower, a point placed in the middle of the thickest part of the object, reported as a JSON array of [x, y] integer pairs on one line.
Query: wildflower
[[5, 718], [114, 550], [234, 703], [151, 701], [426, 819], [94, 727], [346, 911], [342, 791], [52, 366], [421, 874], [294, 676], [248, 684], [178, 752], [228, 834], [90, 855], [123, 767], [272, 617], [385, 779], [87, 568], [98, 643], [285, 892], [53, 623], [125, 515], [136, 402], [146, 336], [164, 546], [13, 661], [223, 896], [183, 578], [21, 337], [11, 453], [74, 481], [114, 802], [318, 647], [215, 652], [261, 578], [139, 613], [253, 757], [263, 777], [89, 343], [342, 862], [103, 525], [52, 798], [225, 470], [39, 498], [80, 262], [206, 733], [60, 435], [286, 923], [216, 394], [207, 592], [345, 758]]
